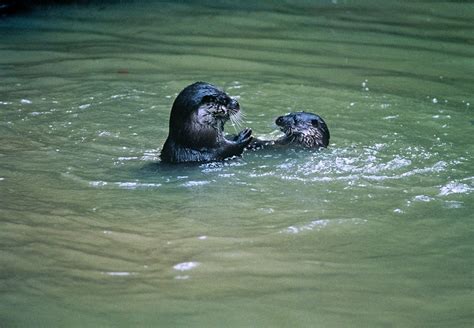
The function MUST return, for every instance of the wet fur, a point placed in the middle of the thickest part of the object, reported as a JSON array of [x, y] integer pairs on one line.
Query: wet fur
[[196, 126]]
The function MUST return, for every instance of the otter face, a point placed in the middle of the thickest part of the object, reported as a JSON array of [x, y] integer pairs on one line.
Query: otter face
[[196, 126], [203, 104], [307, 129], [217, 107]]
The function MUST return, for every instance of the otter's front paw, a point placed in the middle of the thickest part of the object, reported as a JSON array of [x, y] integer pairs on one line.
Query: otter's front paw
[[244, 137]]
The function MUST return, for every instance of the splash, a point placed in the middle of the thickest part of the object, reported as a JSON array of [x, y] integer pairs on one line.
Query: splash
[[455, 188], [378, 162]]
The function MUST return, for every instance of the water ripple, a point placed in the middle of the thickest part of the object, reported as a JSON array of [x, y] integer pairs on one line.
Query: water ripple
[[319, 225], [375, 163], [125, 185]]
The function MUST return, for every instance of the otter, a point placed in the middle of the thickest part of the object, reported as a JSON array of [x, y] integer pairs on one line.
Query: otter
[[196, 126], [302, 129]]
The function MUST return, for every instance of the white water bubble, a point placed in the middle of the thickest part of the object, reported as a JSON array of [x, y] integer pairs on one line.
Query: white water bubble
[[191, 184], [320, 224], [136, 185], [423, 198], [186, 266], [119, 273], [84, 106], [97, 183], [455, 188], [104, 133], [127, 158]]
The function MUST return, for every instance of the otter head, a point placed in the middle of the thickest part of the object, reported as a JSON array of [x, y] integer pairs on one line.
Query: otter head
[[200, 107], [307, 129], [196, 130]]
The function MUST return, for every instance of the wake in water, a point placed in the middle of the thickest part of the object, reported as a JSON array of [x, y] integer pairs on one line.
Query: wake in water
[[353, 166], [377, 163]]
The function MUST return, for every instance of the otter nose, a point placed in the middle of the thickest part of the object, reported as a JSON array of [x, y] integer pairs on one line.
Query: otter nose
[[234, 104], [279, 121]]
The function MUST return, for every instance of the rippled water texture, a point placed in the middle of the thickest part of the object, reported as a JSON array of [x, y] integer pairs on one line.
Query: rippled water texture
[[376, 230]]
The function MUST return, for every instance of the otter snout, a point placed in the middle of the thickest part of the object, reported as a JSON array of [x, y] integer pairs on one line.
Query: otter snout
[[283, 121], [233, 105]]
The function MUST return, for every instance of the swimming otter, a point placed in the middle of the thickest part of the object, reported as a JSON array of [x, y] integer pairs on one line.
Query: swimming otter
[[196, 127], [301, 128]]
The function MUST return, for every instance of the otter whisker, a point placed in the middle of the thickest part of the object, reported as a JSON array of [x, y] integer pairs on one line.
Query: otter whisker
[[236, 120], [241, 114], [232, 122]]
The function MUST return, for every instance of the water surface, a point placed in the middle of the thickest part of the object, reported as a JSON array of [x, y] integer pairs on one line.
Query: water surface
[[374, 231]]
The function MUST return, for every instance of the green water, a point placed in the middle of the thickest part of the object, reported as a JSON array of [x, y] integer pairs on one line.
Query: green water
[[375, 231]]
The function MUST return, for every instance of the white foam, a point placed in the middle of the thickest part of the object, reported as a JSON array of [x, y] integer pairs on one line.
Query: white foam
[[85, 106], [136, 185], [423, 198], [97, 183], [119, 273], [195, 183], [186, 266], [319, 225], [127, 158], [455, 188], [104, 133]]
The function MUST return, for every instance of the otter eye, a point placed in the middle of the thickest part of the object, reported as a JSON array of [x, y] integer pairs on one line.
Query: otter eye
[[208, 99], [315, 122]]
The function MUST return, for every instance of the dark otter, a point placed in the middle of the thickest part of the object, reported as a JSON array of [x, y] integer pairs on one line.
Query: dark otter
[[301, 128], [196, 127]]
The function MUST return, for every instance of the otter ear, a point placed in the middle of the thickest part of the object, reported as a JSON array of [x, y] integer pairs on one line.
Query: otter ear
[[208, 99]]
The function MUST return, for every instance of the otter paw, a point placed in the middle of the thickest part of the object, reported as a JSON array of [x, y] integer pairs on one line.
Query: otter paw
[[244, 137]]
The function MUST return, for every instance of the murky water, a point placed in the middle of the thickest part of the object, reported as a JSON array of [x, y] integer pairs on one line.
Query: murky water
[[374, 231]]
